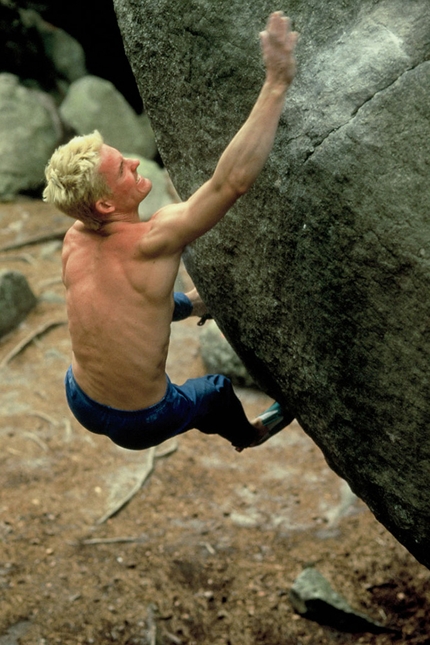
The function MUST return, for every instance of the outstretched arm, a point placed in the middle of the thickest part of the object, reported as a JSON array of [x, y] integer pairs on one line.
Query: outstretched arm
[[245, 156]]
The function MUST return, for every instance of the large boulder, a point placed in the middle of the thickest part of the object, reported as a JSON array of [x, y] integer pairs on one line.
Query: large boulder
[[320, 276], [219, 356]]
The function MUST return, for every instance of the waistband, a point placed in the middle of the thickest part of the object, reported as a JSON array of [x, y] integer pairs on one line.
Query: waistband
[[72, 385]]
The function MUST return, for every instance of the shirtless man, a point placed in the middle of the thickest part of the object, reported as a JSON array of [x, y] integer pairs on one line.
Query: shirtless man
[[119, 275]]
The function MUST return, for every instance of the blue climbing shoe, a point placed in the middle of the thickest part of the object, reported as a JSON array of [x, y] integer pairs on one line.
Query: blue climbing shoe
[[274, 420]]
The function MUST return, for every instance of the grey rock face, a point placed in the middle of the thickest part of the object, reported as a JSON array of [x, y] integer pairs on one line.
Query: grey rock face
[[320, 276], [220, 358], [16, 300]]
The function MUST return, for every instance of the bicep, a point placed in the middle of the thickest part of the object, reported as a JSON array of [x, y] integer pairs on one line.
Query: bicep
[[176, 225]]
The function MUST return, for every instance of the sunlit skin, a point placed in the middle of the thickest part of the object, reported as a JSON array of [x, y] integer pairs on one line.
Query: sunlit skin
[[119, 279], [127, 186]]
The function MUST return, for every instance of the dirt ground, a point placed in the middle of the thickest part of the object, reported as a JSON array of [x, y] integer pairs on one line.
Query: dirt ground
[[207, 549]]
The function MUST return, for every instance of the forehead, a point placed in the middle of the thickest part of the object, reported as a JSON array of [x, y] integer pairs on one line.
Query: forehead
[[110, 160]]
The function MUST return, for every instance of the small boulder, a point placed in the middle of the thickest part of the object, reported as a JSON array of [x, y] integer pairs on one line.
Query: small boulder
[[313, 597], [16, 300], [93, 103], [29, 132]]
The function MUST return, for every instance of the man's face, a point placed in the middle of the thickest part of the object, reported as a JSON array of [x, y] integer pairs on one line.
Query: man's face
[[127, 186]]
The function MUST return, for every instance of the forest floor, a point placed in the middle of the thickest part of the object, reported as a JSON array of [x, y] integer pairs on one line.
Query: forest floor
[[207, 549]]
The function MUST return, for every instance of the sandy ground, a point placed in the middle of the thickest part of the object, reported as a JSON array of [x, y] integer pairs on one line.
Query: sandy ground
[[207, 549]]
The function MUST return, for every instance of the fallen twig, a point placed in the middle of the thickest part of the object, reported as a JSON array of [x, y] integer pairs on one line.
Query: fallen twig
[[44, 416], [56, 234], [35, 438], [68, 429], [152, 625], [50, 282], [209, 547], [118, 540], [152, 455], [24, 257], [28, 339], [142, 478]]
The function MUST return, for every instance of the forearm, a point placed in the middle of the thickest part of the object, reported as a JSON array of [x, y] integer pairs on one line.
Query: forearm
[[246, 154]]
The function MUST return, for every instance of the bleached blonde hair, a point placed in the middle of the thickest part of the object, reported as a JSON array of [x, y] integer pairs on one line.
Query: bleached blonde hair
[[73, 181]]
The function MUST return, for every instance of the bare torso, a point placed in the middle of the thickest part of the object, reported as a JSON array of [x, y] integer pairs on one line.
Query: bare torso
[[119, 306]]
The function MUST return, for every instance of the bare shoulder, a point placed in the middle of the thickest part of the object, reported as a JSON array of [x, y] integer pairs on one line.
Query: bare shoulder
[[74, 233], [70, 231], [162, 235], [70, 239]]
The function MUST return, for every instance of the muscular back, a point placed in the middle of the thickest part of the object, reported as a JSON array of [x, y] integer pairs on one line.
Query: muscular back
[[119, 305]]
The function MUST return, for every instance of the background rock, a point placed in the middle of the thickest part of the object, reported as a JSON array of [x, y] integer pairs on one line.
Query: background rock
[[93, 102], [319, 277], [16, 300], [94, 25], [66, 54], [22, 51], [30, 130], [39, 50], [313, 597], [39, 53]]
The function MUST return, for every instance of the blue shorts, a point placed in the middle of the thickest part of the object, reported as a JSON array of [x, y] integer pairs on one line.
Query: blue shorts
[[208, 404]]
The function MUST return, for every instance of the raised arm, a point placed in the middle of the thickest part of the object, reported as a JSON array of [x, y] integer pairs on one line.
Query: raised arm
[[246, 154]]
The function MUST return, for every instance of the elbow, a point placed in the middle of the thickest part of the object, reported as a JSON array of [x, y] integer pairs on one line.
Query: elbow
[[239, 183]]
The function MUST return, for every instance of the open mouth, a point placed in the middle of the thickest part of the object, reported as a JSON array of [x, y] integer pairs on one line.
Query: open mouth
[[144, 184]]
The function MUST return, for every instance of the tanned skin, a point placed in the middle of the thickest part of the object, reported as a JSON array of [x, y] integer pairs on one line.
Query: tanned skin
[[119, 279]]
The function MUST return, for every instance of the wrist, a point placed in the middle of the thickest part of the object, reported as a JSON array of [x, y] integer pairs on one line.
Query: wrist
[[276, 87]]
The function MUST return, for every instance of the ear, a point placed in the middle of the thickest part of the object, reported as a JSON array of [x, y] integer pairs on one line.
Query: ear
[[104, 206]]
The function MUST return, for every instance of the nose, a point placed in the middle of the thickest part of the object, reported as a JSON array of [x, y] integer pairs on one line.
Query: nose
[[134, 164]]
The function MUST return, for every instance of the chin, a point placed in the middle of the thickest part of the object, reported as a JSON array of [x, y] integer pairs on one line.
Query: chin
[[144, 186]]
